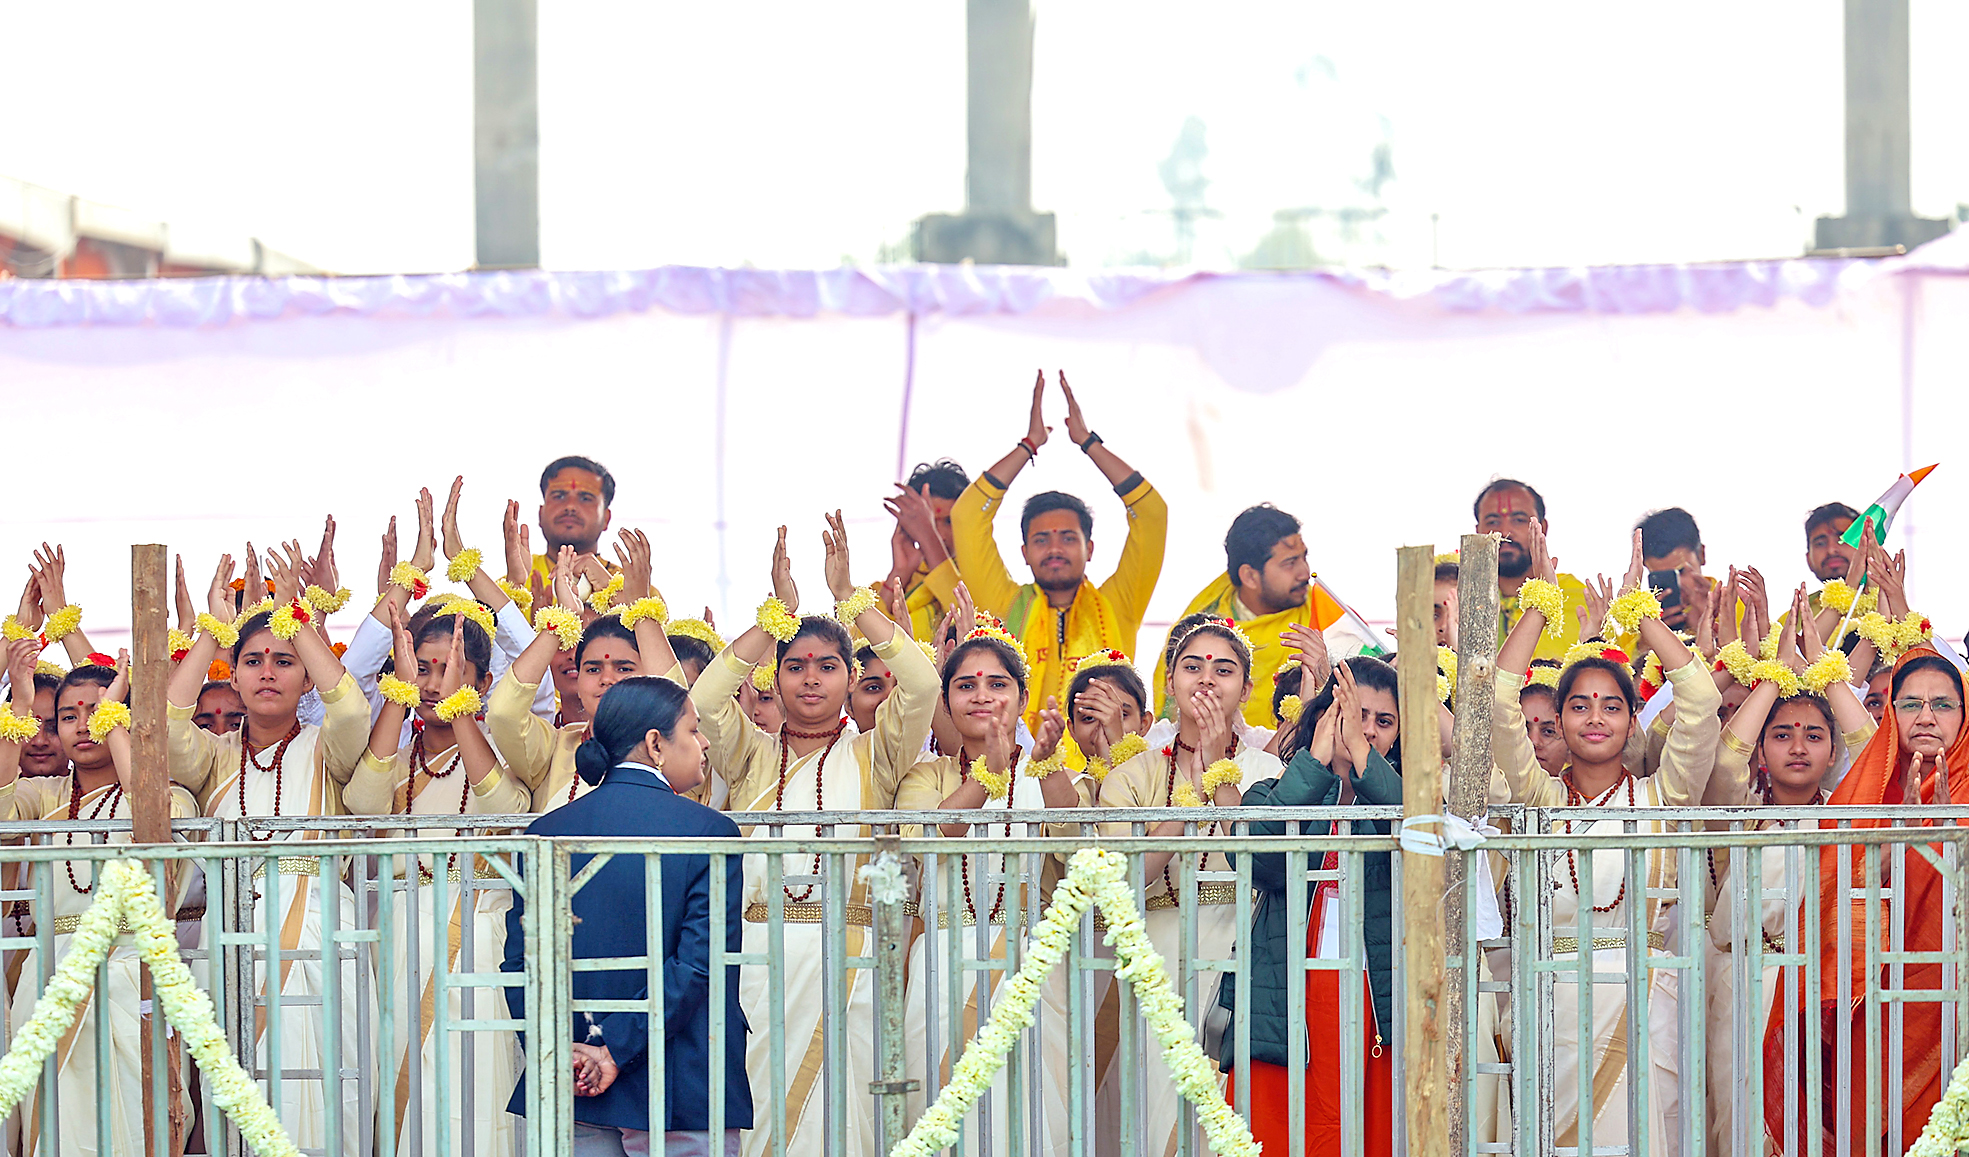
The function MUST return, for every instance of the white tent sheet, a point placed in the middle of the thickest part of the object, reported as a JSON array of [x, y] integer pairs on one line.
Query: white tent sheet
[[1374, 406]]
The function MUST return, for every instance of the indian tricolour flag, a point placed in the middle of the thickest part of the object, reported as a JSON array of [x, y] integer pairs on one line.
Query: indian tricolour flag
[[1347, 633], [1885, 507]]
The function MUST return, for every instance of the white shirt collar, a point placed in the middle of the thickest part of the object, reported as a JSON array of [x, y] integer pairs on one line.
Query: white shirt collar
[[655, 771]]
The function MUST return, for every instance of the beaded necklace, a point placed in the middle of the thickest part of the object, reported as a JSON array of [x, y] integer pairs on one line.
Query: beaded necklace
[[110, 798], [1169, 793], [1818, 797], [246, 756], [1574, 799], [820, 787], [964, 862], [418, 763]]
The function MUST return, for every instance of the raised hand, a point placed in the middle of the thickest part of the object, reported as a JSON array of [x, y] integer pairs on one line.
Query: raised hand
[[564, 594], [285, 563], [1637, 571], [1543, 565], [254, 585], [519, 553], [182, 595], [783, 588], [1314, 661], [322, 570], [1599, 596], [1001, 734], [454, 542], [403, 647], [218, 596], [1103, 702], [916, 518], [30, 613], [387, 561], [53, 563], [840, 579], [1036, 427], [1213, 740], [119, 687], [22, 656], [632, 553], [1729, 598], [1076, 423], [1757, 606], [454, 663], [1052, 727], [1347, 701], [966, 610], [898, 602], [424, 553]]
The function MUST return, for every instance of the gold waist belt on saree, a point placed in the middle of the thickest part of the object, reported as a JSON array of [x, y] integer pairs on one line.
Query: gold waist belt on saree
[[292, 866], [1571, 943], [66, 925]]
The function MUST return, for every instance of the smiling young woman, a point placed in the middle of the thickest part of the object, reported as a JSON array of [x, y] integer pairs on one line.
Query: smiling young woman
[[1596, 702]]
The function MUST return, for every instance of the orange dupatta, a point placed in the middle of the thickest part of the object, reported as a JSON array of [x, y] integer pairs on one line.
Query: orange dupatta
[[1875, 779]]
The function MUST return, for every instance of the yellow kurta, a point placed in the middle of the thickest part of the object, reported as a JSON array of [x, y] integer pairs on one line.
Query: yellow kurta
[[1688, 758], [318, 762], [380, 786], [1144, 782], [925, 788], [538, 755], [1100, 617], [929, 596], [1508, 614], [84, 1078], [861, 772]]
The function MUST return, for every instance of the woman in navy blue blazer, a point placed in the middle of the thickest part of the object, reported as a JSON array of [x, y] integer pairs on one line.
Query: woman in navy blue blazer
[[643, 750]]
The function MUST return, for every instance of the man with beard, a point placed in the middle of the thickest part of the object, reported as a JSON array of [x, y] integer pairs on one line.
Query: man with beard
[[1509, 507], [1060, 616], [1828, 557], [1263, 589], [1671, 540], [575, 495]]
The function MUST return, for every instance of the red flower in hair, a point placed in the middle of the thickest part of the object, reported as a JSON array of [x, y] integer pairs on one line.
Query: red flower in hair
[[1614, 655], [102, 660]]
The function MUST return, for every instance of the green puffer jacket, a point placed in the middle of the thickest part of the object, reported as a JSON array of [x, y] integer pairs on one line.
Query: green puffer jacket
[[1307, 782]]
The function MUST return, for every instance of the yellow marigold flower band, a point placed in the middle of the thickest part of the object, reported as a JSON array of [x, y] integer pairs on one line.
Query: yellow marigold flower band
[[224, 634], [1220, 773], [44, 667], [107, 717], [17, 728], [1768, 648], [63, 623], [1829, 668], [287, 621], [1786, 679], [522, 597], [1121, 751], [178, 642], [464, 564], [464, 701], [1843, 598], [1046, 768], [1184, 794], [1894, 637], [1291, 708], [763, 674], [851, 608], [14, 629], [410, 578], [564, 623], [649, 608], [1735, 658], [995, 783], [1548, 600], [1543, 676], [325, 603], [1626, 612], [401, 692], [775, 620], [604, 598]]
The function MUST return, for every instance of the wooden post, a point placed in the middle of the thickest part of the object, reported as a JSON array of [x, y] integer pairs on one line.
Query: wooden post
[[1426, 1099], [1469, 781], [150, 672]]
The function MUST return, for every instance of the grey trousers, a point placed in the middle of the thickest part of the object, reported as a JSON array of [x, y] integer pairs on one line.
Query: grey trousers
[[608, 1141]]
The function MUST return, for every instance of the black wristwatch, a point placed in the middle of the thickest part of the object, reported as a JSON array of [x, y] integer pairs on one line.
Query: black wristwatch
[[1092, 441]]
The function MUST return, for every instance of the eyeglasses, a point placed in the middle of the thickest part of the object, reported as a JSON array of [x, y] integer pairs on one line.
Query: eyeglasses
[[1940, 705]]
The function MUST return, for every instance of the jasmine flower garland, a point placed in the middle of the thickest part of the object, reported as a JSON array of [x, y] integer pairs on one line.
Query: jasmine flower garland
[[1095, 877], [1948, 1123]]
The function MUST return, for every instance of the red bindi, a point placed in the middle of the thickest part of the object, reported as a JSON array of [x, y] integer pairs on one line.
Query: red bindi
[[810, 654], [1208, 658]]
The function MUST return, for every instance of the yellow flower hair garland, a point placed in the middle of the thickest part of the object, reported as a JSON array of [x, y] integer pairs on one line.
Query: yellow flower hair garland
[[287, 621], [401, 692], [1829, 668], [17, 728], [1290, 709], [990, 627], [246, 613], [1543, 675], [995, 783], [464, 701], [44, 667], [107, 717], [469, 608], [776, 621], [603, 599], [522, 597], [764, 674], [410, 578], [1735, 658], [464, 564], [1786, 679], [563, 622], [1109, 657], [851, 608], [1548, 600], [697, 629], [325, 603], [1121, 751], [1626, 612], [1842, 598], [224, 634], [929, 651], [63, 623], [648, 608]]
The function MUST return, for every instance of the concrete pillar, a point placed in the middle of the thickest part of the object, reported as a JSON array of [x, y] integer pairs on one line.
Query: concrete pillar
[[506, 132], [1879, 145]]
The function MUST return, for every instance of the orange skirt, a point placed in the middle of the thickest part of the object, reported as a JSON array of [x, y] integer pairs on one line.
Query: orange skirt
[[1271, 1111]]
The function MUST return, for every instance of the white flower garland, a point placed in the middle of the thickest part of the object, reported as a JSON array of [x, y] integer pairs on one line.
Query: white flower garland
[[1947, 1129], [126, 892], [1099, 878]]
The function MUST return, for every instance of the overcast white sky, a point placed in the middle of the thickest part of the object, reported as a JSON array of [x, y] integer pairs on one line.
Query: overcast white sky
[[790, 135]]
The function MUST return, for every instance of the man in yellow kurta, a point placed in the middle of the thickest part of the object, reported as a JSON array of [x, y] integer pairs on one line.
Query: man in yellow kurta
[[921, 545], [1060, 616], [1265, 590], [575, 494], [1507, 506]]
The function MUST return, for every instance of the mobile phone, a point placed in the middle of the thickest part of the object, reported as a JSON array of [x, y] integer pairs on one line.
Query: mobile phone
[[1667, 586]]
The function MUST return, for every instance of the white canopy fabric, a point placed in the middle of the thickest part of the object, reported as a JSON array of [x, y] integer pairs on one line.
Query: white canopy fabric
[[1373, 405]]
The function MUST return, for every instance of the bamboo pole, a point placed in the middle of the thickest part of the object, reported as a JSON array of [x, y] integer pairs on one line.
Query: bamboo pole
[[1426, 1102], [1469, 783], [150, 795]]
